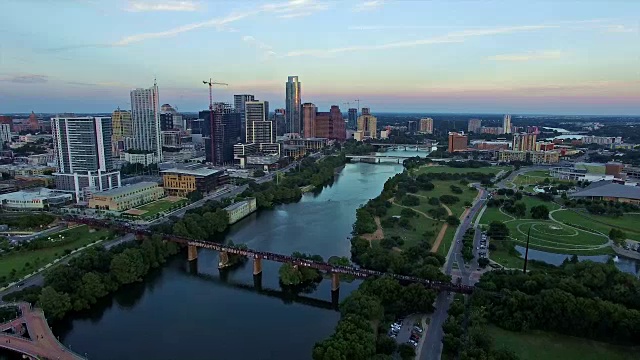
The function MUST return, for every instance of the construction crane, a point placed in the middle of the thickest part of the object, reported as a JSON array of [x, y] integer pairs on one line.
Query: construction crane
[[211, 83], [358, 101], [348, 104]]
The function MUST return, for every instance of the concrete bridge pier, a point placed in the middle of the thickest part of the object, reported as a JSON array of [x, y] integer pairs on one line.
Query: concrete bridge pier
[[335, 282], [257, 266], [193, 267], [224, 259], [335, 298], [257, 281], [192, 252]]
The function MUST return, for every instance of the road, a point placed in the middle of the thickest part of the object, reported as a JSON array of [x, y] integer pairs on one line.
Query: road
[[38, 279], [432, 346]]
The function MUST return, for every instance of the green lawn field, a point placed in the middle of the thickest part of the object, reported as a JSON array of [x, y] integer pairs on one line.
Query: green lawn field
[[420, 225], [452, 170], [537, 345], [551, 236], [447, 240], [159, 206], [73, 238], [627, 223], [444, 188]]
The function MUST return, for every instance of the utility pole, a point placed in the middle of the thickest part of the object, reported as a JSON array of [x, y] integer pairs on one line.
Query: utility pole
[[526, 252], [211, 123]]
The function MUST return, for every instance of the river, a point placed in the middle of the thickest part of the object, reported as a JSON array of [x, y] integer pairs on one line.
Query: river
[[188, 311]]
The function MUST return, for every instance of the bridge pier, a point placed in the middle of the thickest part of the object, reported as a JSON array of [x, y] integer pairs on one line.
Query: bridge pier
[[192, 252], [257, 266], [335, 299], [257, 281], [224, 259], [335, 282]]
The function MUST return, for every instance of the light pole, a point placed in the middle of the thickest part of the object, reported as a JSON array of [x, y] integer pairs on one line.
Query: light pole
[[526, 252]]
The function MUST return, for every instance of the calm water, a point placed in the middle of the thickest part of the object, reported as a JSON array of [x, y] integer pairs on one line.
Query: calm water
[[191, 311], [631, 266]]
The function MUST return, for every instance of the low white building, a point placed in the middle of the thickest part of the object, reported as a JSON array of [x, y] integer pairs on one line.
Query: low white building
[[35, 199], [144, 159]]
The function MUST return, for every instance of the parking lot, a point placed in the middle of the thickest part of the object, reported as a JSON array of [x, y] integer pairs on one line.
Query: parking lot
[[407, 332]]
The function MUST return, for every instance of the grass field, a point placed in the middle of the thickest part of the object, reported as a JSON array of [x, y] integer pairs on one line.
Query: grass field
[[593, 169], [452, 170], [551, 236], [159, 206], [420, 225], [74, 238], [447, 240], [627, 223], [443, 188], [538, 345]]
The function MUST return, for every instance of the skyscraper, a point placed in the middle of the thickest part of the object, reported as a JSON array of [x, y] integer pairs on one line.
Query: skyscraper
[[367, 123], [221, 134], [279, 121], [309, 111], [426, 126], [412, 126], [122, 130], [330, 124], [353, 118], [506, 124], [259, 129], [475, 126], [238, 104], [145, 117], [524, 142], [293, 103], [83, 153]]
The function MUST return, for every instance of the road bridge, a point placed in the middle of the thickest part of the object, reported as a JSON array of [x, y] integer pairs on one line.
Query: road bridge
[[418, 147], [334, 270], [377, 159], [30, 335]]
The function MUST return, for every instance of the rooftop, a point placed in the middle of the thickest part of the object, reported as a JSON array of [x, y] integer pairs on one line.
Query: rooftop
[[194, 169], [609, 189], [238, 204], [30, 195], [127, 188]]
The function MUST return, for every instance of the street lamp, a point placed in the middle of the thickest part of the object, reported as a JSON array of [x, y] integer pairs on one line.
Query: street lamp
[[526, 252]]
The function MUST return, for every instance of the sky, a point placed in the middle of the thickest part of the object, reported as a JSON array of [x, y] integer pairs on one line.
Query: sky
[[521, 57]]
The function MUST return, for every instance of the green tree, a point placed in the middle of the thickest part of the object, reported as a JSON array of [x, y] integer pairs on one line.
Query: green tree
[[194, 196], [453, 220], [363, 305], [289, 275], [386, 345], [258, 173], [406, 351], [54, 304], [540, 212], [129, 266]]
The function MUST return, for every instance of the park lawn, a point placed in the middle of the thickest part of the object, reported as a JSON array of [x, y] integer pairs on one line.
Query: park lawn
[[532, 201], [159, 206], [509, 261], [451, 170], [535, 345], [538, 173], [442, 187], [627, 223], [420, 225], [447, 240], [592, 169], [493, 214], [76, 237]]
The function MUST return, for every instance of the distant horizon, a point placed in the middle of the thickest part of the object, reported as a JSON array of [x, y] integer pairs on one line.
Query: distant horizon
[[521, 56]]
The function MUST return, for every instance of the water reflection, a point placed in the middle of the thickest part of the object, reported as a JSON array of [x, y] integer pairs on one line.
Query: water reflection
[[624, 264]]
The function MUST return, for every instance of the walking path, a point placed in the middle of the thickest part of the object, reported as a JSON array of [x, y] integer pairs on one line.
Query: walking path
[[443, 231], [376, 235], [41, 343]]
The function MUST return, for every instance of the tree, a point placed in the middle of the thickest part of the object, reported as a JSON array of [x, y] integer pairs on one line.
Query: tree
[[406, 351], [434, 201], [540, 212], [411, 200], [369, 307], [449, 199], [194, 196], [453, 220], [408, 213], [483, 262], [258, 173], [386, 345], [498, 230], [129, 266], [290, 275], [617, 235], [55, 304]]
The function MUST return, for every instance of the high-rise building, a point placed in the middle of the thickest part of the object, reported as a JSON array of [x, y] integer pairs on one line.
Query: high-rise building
[[475, 126], [506, 124], [5, 134], [32, 122], [309, 111], [293, 105], [353, 118], [279, 121], [412, 126], [83, 151], [426, 126], [238, 104], [367, 124], [122, 130], [457, 142], [220, 133], [330, 124], [145, 117], [259, 129], [524, 142]]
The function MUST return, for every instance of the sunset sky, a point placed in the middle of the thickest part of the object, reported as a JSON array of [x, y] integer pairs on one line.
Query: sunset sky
[[527, 57]]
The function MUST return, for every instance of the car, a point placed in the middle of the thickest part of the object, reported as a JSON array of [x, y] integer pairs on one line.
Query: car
[[418, 329], [20, 284]]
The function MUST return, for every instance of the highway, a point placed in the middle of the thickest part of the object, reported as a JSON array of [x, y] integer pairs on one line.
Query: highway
[[432, 345]]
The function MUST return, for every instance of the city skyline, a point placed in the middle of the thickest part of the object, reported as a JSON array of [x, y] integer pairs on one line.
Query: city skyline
[[432, 57]]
